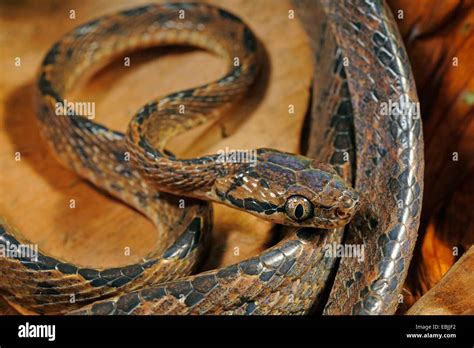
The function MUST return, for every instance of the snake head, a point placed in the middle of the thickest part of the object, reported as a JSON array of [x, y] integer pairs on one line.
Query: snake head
[[289, 189]]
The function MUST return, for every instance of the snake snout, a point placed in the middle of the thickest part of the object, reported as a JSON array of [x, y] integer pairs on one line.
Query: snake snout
[[349, 204]]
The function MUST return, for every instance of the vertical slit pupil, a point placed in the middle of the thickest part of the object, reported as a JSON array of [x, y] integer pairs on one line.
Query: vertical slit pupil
[[299, 210]]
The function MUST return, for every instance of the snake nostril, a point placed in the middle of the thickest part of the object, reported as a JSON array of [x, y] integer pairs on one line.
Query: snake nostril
[[341, 213]]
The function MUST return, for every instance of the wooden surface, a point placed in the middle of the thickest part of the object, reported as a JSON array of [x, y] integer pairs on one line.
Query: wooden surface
[[453, 294], [36, 191]]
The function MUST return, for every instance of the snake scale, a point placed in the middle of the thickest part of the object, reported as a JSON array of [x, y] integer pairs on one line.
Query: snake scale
[[310, 197]]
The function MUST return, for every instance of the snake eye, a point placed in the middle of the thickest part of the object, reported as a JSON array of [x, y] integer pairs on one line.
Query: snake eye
[[298, 208]]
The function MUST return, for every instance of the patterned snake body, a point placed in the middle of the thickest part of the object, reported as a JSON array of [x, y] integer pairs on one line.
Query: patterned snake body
[[389, 147], [296, 191]]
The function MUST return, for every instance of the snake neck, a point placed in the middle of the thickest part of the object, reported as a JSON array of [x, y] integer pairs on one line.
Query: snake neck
[[194, 177]]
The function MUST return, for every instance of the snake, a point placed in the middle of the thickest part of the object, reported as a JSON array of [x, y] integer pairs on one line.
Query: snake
[[313, 198], [370, 68]]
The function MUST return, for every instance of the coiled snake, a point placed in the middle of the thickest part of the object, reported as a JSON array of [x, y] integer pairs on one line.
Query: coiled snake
[[288, 189]]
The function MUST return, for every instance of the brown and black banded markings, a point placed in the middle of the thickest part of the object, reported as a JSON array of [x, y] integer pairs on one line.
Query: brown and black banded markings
[[283, 188]]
